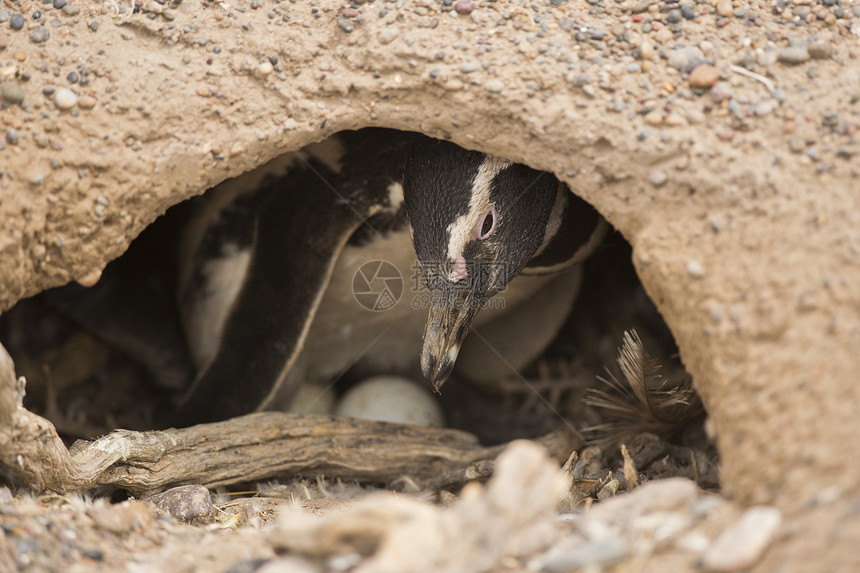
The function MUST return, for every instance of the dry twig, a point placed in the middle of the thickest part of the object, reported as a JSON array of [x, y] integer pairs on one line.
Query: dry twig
[[253, 447]]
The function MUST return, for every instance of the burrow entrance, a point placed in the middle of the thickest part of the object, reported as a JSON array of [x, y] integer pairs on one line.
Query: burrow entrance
[[95, 360]]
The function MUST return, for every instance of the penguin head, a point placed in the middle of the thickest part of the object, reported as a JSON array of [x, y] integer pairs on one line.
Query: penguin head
[[476, 221]]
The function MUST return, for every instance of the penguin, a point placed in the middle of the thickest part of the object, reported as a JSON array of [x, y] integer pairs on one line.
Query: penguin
[[374, 247]]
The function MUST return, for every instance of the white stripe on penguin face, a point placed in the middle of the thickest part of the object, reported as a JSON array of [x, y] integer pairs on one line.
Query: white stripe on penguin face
[[460, 231]]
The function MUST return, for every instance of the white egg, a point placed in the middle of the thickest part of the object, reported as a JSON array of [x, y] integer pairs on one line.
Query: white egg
[[391, 399], [312, 399]]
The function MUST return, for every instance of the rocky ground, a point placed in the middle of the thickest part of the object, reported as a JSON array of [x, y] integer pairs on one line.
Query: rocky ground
[[718, 137]]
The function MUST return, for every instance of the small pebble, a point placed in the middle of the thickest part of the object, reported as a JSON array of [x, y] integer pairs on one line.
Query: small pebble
[[469, 67], [4, 17], [345, 24], [721, 91], [65, 98], [494, 85], [675, 119], [725, 8], [793, 55], [657, 178], [94, 26], [717, 223], [725, 133], [39, 35], [695, 269], [819, 50], [742, 544], [464, 6], [388, 35], [796, 144], [642, 6], [686, 59], [687, 12], [87, 102], [12, 92], [187, 503], [694, 115], [654, 118], [266, 68], [73, 77], [764, 107], [12, 136], [673, 17], [704, 76], [17, 21], [663, 36], [59, 4]]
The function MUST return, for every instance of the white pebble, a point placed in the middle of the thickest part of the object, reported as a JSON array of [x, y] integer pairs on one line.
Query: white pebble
[[391, 399], [494, 86], [717, 223], [657, 178], [695, 269], [65, 98], [266, 68], [742, 544], [387, 35]]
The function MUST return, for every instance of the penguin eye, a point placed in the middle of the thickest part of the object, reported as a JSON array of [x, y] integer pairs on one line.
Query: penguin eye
[[487, 225]]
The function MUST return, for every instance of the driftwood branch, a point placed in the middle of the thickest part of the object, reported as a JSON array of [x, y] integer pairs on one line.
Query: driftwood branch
[[253, 447]]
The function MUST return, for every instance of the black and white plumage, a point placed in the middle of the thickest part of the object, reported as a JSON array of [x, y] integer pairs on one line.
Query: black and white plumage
[[268, 260], [477, 222]]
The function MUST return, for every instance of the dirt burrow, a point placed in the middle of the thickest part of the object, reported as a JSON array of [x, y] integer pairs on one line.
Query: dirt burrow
[[738, 195]]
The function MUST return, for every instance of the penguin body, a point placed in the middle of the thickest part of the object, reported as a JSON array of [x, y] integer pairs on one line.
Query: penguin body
[[321, 329]]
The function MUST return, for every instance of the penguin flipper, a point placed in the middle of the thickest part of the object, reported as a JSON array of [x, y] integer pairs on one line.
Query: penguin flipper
[[299, 234]]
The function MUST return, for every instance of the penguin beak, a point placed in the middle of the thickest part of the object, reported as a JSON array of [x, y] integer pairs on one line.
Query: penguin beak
[[451, 312]]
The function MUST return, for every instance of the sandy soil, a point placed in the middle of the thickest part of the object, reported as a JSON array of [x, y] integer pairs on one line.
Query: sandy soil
[[739, 197]]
